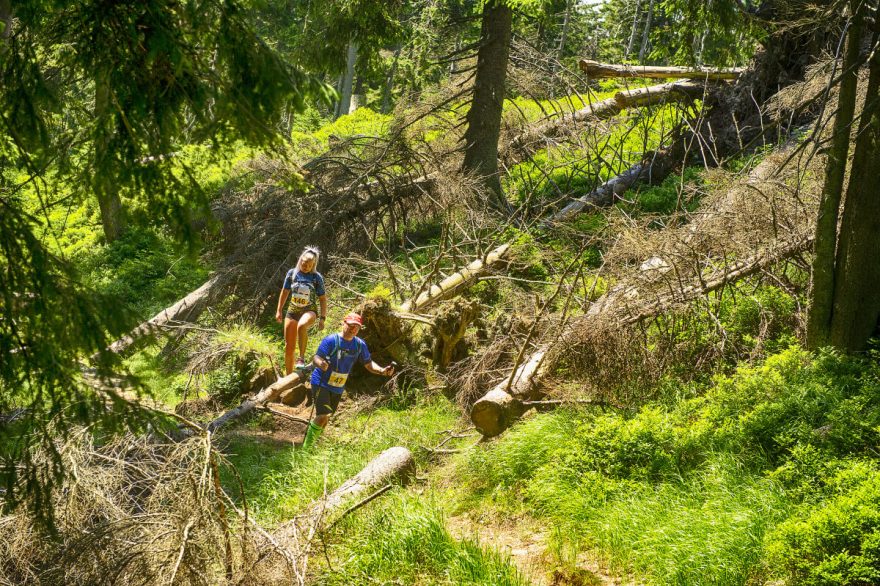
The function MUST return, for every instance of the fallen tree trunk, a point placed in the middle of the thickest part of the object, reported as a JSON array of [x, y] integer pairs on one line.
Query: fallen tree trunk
[[186, 309], [540, 133], [604, 194], [652, 169], [393, 465], [455, 282], [270, 393], [596, 70], [496, 410]]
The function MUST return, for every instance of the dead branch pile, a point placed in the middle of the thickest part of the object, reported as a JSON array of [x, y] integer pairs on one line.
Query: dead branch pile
[[137, 512], [747, 228], [361, 189]]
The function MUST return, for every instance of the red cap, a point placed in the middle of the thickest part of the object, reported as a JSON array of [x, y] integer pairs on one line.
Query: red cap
[[353, 318]]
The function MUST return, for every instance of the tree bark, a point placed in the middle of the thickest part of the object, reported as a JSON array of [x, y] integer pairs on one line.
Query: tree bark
[[186, 309], [604, 194], [270, 393], [484, 117], [109, 202], [389, 82], [857, 272], [563, 35], [646, 32], [538, 135], [496, 411], [632, 33], [822, 290], [596, 70], [347, 80]]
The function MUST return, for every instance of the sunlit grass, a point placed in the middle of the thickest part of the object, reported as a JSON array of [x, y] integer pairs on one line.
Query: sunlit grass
[[403, 540], [280, 480]]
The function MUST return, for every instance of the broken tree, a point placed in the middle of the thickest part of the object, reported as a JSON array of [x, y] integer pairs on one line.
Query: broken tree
[[493, 413], [537, 135]]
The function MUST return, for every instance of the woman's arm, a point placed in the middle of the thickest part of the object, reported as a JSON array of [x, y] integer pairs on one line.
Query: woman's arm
[[282, 299]]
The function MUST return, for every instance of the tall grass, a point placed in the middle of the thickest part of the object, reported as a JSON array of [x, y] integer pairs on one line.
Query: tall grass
[[404, 541]]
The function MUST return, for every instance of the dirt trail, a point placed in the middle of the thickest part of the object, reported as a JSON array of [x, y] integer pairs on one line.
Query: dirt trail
[[526, 542]]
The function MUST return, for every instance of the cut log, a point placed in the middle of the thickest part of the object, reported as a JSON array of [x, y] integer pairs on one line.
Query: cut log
[[623, 306], [455, 282], [596, 70], [537, 135], [496, 411], [186, 309], [393, 465]]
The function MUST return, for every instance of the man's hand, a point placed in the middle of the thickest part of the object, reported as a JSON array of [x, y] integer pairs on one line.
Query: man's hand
[[388, 370], [323, 364], [321, 321], [278, 316]]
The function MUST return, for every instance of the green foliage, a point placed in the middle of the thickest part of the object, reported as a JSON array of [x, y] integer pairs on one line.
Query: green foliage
[[361, 122], [684, 32], [692, 491], [144, 270], [96, 99], [837, 541], [553, 174], [669, 196]]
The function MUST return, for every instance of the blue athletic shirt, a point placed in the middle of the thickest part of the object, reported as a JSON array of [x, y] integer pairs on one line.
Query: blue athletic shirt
[[305, 288], [341, 355]]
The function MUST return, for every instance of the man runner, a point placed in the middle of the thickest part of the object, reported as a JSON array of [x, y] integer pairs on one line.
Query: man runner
[[336, 356]]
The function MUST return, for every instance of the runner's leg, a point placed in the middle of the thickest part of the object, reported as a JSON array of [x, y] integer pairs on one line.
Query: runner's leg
[[290, 326], [305, 322]]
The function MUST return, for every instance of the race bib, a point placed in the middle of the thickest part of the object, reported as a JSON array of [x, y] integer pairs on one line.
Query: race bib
[[337, 379], [300, 295]]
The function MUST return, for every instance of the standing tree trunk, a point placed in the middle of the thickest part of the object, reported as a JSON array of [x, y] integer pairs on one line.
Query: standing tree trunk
[[857, 268], [389, 83], [822, 291], [563, 35], [632, 33], [646, 32], [484, 117], [108, 197], [5, 19], [347, 80]]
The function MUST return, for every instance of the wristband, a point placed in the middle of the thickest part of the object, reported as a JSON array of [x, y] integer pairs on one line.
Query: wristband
[[323, 317]]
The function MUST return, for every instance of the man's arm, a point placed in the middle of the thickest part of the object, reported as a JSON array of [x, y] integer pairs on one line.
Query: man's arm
[[376, 369], [323, 350]]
